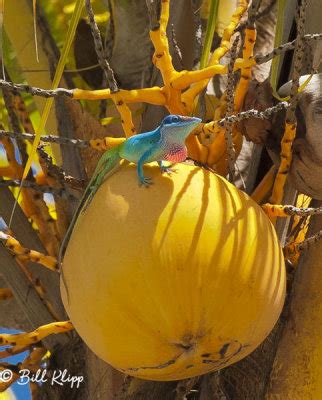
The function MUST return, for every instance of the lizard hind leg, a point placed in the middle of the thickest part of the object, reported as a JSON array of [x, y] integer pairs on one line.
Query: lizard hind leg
[[166, 169]]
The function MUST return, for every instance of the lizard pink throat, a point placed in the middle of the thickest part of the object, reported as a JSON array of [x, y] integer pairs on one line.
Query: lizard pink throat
[[176, 155]]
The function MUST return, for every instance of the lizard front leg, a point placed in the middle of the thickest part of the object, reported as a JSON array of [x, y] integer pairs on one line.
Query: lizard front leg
[[148, 156]]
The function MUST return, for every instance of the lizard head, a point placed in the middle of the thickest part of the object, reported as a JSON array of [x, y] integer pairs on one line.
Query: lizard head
[[178, 127]]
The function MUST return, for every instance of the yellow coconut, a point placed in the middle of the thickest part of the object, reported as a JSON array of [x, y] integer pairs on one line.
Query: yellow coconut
[[173, 281]]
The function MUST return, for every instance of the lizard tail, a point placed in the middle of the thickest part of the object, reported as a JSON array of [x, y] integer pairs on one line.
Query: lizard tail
[[105, 165]]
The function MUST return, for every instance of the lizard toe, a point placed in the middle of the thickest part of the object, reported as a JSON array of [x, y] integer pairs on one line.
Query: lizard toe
[[145, 182], [168, 170]]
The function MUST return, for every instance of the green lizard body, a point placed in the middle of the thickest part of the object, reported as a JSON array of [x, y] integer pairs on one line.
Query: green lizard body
[[165, 143]]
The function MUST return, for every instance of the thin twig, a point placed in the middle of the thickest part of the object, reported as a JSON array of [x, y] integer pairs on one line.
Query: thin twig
[[47, 138], [309, 241], [40, 188], [303, 212], [202, 104], [8, 97], [14, 124], [298, 55], [260, 14], [299, 227], [57, 172], [230, 108], [261, 59], [100, 49], [252, 113], [8, 101], [35, 91], [290, 118], [277, 210], [296, 248]]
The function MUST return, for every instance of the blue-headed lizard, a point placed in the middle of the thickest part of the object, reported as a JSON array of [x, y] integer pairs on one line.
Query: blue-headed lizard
[[165, 143]]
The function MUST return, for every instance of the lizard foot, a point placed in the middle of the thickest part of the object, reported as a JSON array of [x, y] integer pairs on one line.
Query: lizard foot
[[168, 170], [145, 182]]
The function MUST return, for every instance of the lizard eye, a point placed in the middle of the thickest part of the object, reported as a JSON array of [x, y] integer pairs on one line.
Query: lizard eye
[[175, 118], [171, 119]]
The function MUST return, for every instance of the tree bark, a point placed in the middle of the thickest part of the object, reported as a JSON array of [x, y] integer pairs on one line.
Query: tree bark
[[297, 370]]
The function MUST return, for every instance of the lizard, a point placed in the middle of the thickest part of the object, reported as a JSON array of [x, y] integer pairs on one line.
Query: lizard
[[165, 143]]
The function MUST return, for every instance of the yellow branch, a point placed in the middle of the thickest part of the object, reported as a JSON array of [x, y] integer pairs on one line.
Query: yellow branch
[[52, 232], [29, 338], [11, 157], [32, 362], [125, 113], [35, 283], [153, 95], [297, 242], [291, 251], [163, 61], [246, 72], [183, 79], [222, 49], [196, 150], [300, 226], [5, 383], [286, 158], [35, 357], [33, 206], [275, 210], [217, 147], [105, 143], [11, 351], [161, 57], [25, 254], [228, 32], [8, 172], [217, 157], [264, 188]]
